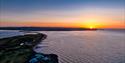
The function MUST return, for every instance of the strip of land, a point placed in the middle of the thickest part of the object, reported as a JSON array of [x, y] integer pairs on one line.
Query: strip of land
[[45, 28], [19, 49]]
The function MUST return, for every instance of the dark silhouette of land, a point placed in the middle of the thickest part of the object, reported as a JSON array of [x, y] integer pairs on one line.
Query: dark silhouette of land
[[45, 28], [19, 49]]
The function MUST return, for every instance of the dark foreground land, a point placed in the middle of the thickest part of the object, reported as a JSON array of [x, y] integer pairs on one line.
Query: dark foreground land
[[19, 49]]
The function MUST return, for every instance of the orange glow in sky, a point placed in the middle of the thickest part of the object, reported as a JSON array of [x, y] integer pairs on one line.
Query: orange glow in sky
[[75, 13]]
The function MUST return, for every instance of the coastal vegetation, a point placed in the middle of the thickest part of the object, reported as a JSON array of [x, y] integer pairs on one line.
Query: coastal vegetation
[[19, 49]]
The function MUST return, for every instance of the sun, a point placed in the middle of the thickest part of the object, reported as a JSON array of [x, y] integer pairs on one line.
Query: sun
[[91, 27], [92, 22]]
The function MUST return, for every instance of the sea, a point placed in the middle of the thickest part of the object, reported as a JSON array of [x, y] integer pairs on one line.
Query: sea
[[101, 46]]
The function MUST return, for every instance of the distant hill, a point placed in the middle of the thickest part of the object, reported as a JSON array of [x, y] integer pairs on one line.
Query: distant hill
[[43, 28]]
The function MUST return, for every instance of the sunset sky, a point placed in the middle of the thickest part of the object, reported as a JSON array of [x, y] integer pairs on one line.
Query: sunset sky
[[63, 13]]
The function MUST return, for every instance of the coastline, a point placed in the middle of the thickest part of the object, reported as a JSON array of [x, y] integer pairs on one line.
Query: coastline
[[19, 49]]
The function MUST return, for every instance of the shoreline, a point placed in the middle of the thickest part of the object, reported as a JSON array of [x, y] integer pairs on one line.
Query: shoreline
[[19, 49]]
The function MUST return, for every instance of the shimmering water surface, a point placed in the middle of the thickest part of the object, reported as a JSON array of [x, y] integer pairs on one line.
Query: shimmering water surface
[[81, 46], [85, 46]]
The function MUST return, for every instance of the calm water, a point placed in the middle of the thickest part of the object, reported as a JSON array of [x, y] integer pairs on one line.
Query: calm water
[[10, 33], [81, 46], [85, 46]]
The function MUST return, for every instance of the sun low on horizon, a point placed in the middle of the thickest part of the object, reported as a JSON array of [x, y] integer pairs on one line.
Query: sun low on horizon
[[65, 13]]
